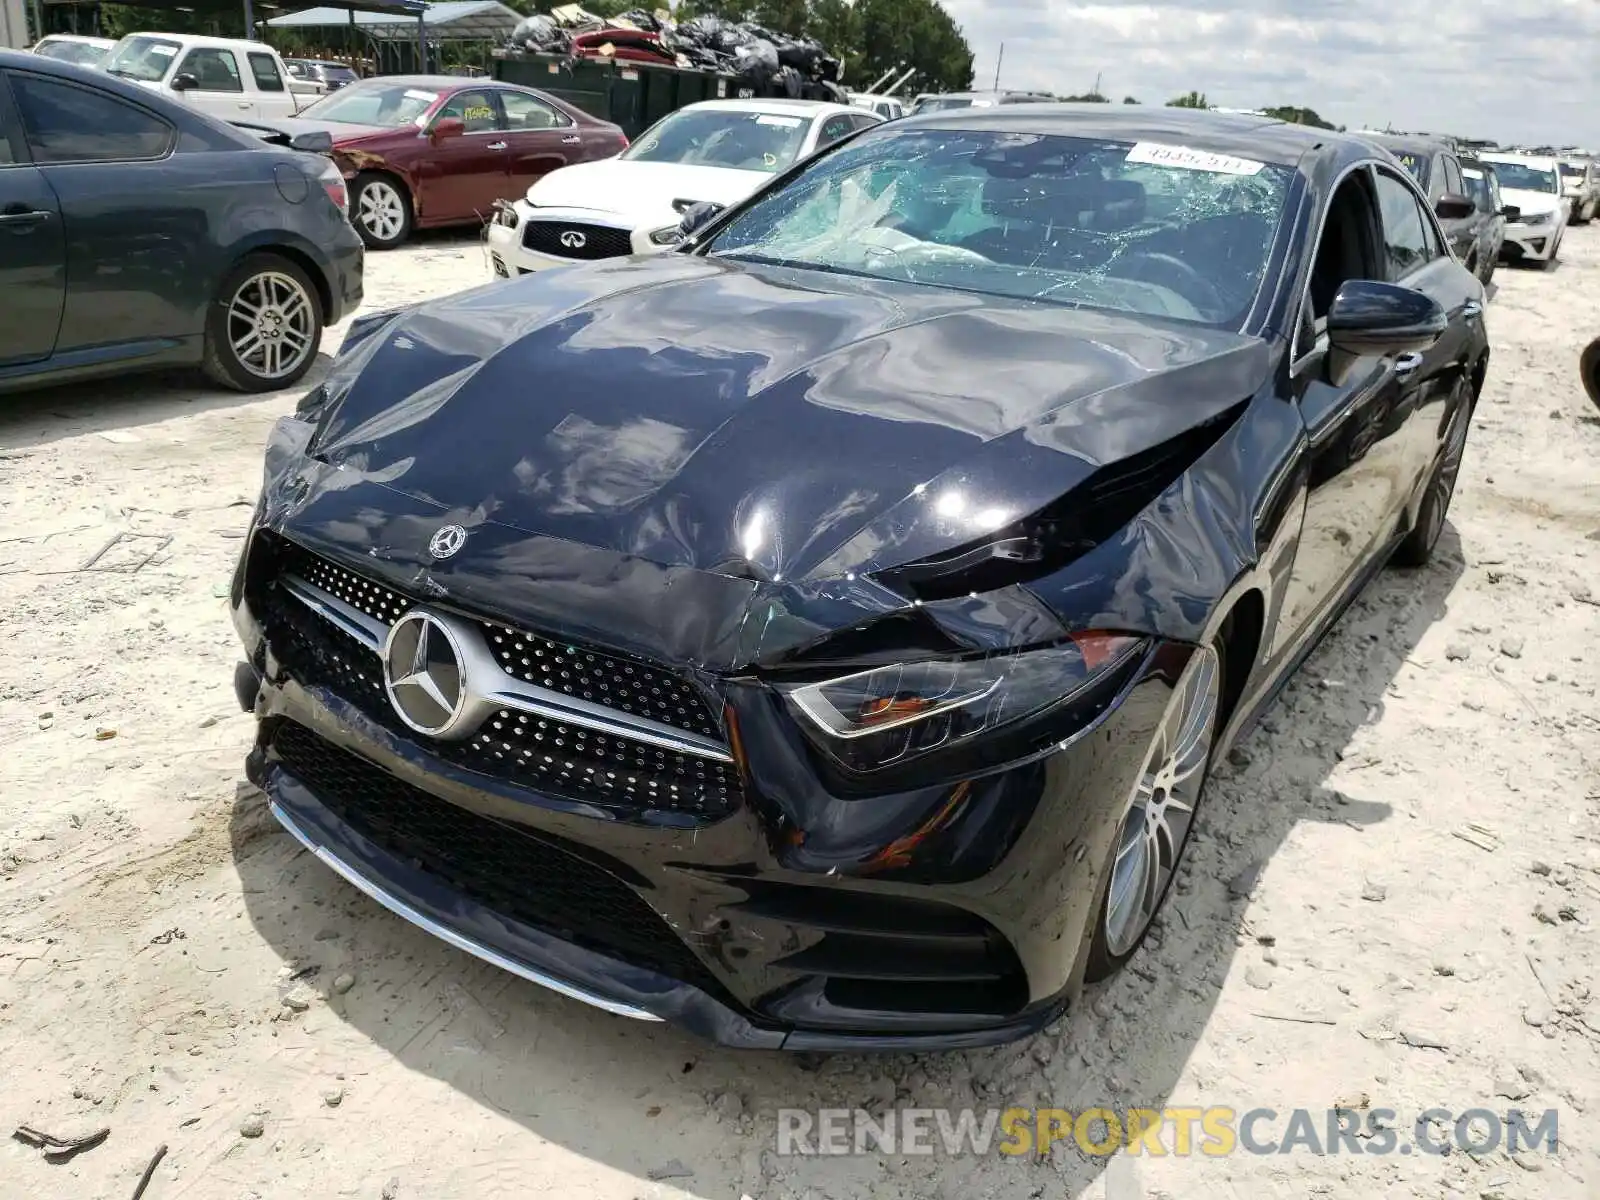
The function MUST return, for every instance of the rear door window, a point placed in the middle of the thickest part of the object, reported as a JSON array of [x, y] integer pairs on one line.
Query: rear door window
[[264, 69], [65, 123]]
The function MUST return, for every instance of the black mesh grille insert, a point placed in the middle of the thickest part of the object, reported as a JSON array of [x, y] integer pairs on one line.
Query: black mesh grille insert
[[599, 241], [624, 684], [494, 862], [551, 756]]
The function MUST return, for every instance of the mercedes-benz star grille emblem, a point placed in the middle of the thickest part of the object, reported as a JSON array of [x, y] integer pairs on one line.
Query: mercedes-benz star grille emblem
[[447, 541], [573, 239], [422, 672]]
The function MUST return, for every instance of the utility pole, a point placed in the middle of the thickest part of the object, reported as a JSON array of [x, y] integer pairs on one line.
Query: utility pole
[[998, 60], [1096, 91]]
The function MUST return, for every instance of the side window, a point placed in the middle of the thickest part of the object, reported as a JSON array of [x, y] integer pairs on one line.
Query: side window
[[528, 112], [834, 128], [1346, 250], [1407, 238], [1452, 176], [864, 121], [473, 109], [65, 123], [265, 69], [216, 70]]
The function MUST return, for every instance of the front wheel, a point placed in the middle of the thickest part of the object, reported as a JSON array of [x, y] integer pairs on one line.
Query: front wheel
[[380, 209], [264, 328], [1159, 816]]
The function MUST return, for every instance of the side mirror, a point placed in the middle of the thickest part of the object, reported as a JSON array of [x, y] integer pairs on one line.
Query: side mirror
[[697, 216], [313, 141], [1372, 318], [1453, 206], [447, 127], [1511, 212], [184, 82]]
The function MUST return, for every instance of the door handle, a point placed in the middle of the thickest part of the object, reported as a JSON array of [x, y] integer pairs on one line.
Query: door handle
[[495, 146], [1472, 310], [242, 103], [23, 218], [571, 141], [1405, 366]]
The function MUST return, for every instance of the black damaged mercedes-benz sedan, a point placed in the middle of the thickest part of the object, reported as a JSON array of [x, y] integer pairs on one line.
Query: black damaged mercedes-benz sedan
[[819, 636]]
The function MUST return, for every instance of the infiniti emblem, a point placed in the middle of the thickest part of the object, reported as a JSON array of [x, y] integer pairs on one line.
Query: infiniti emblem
[[574, 239], [447, 541], [422, 673]]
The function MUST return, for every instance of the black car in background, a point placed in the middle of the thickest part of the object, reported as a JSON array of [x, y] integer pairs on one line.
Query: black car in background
[[137, 233], [331, 75], [1437, 169], [820, 636], [1483, 185]]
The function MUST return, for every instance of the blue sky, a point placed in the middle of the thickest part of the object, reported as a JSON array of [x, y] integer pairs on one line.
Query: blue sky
[[1525, 72]]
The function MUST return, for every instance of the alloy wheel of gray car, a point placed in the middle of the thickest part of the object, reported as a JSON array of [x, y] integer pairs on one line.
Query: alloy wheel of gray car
[[381, 211], [272, 325], [265, 327], [1156, 824]]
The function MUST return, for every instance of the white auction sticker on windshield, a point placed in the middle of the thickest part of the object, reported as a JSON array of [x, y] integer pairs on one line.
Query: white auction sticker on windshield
[[780, 122], [1185, 158]]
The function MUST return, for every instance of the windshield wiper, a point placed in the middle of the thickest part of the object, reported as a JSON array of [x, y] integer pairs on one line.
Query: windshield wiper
[[121, 72]]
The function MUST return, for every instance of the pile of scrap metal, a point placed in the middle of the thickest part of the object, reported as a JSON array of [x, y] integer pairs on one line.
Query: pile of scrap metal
[[764, 62]]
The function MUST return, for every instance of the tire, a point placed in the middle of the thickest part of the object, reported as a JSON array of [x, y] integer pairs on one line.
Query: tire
[[1487, 265], [1475, 266], [1589, 367], [380, 210], [1130, 897], [1416, 549], [273, 299]]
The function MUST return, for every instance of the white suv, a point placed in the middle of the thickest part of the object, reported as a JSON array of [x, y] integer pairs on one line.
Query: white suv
[[1531, 183], [226, 77]]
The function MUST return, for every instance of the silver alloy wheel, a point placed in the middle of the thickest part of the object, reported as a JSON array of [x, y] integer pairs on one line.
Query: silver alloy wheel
[[271, 324], [1163, 803], [380, 210]]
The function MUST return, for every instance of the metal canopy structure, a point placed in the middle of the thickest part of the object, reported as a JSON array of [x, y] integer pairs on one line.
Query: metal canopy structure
[[449, 21]]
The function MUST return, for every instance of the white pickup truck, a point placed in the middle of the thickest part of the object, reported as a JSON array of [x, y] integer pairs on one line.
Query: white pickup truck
[[226, 77]]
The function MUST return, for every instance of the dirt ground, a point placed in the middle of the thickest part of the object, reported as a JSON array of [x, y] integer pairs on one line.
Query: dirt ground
[[1404, 858]]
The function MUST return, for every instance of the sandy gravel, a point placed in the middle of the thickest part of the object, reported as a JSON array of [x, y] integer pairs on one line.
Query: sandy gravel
[[174, 968]]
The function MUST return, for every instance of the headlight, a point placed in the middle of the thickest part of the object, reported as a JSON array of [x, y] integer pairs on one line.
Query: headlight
[[670, 236], [884, 716], [1536, 218]]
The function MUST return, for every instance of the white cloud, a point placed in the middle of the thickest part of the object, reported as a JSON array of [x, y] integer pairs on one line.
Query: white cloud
[[1525, 72]]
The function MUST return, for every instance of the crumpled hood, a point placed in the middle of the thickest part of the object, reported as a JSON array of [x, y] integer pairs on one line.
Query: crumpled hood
[[735, 419], [641, 191]]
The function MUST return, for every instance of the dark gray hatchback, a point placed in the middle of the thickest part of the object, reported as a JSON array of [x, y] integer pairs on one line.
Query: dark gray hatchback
[[137, 233]]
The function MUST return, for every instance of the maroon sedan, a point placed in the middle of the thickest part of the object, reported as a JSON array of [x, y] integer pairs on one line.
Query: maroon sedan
[[421, 151]]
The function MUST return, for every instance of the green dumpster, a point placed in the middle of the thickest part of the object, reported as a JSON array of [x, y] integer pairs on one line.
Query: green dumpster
[[630, 94]]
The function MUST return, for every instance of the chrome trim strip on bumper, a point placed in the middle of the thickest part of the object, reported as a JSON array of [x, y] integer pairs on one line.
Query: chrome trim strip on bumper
[[403, 910], [508, 691]]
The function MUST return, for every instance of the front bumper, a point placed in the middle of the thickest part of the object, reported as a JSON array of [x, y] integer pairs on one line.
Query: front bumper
[[750, 929], [1535, 242], [510, 255]]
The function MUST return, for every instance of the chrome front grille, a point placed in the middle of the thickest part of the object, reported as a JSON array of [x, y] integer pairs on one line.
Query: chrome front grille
[[584, 725]]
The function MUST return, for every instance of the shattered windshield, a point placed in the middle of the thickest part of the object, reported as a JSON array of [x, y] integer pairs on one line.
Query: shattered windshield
[[1148, 228]]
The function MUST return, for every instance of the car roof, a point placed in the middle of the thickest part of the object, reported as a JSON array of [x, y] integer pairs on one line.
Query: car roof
[[1416, 144], [778, 107], [1543, 161], [1265, 139], [198, 39]]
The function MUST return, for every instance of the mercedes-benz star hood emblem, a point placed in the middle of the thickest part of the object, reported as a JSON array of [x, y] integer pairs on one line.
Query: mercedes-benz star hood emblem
[[422, 673], [447, 541]]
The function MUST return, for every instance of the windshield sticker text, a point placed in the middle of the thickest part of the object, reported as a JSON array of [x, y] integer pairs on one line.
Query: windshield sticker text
[[1185, 158]]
